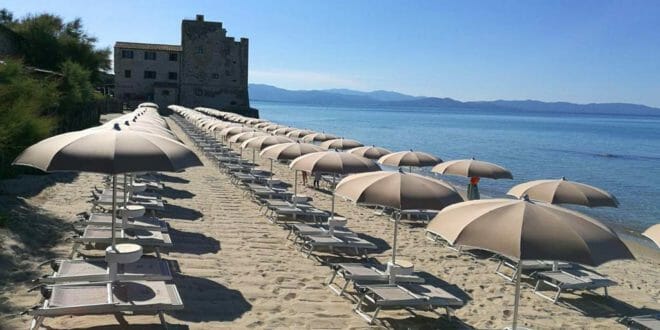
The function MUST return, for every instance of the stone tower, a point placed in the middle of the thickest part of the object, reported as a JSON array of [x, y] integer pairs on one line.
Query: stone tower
[[214, 67]]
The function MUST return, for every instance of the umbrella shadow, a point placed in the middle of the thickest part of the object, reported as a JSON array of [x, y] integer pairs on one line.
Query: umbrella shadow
[[194, 243], [449, 287], [206, 300], [381, 244], [416, 321], [177, 212], [123, 324], [32, 184], [33, 233], [596, 305], [172, 193], [172, 179]]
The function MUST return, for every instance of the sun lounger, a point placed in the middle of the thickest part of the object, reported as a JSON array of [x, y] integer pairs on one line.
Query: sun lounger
[[107, 298], [570, 280], [365, 273], [404, 296], [641, 322], [143, 222], [96, 270], [527, 266], [103, 236], [300, 230], [357, 245], [152, 205]]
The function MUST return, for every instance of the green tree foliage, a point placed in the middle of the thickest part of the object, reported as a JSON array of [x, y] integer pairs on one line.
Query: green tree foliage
[[35, 105], [25, 103], [48, 42]]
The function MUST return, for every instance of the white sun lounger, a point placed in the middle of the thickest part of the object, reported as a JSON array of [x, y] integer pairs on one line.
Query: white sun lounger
[[152, 205], [357, 245], [570, 280], [527, 265], [103, 236], [404, 296], [143, 222], [300, 230], [108, 298], [641, 322], [96, 270], [364, 273]]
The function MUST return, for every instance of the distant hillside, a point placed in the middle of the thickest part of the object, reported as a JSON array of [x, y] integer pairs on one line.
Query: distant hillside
[[347, 97]]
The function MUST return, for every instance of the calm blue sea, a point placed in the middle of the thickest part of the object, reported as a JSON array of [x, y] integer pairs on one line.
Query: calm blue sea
[[619, 153]]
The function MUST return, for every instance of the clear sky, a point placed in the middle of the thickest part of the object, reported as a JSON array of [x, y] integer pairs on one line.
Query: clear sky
[[577, 51]]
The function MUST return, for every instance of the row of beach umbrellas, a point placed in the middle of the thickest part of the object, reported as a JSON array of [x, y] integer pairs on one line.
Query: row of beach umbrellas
[[531, 227]]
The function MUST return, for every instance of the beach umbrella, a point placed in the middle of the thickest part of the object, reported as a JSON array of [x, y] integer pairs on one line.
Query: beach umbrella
[[653, 233], [563, 191], [299, 133], [109, 151], [288, 151], [318, 137], [474, 169], [410, 159], [526, 230], [262, 125], [340, 144], [242, 137], [283, 131], [272, 127], [398, 190], [371, 152], [228, 132], [262, 142], [333, 162]]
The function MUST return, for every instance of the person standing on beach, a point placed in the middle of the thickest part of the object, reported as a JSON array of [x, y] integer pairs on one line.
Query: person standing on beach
[[304, 178], [317, 179]]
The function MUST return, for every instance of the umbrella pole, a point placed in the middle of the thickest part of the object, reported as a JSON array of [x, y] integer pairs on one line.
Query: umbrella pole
[[396, 232], [271, 169], [252, 156], [514, 325], [114, 208], [295, 188], [332, 214]]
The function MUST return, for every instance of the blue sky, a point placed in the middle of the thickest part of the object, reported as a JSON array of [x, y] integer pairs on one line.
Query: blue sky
[[577, 51]]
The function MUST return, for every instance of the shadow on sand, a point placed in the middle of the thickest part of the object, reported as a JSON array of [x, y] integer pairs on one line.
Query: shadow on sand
[[169, 192], [206, 300], [172, 179], [177, 212], [194, 243], [26, 235]]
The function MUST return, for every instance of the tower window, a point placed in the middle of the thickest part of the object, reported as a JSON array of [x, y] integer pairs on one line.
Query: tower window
[[126, 53], [127, 73], [215, 76], [150, 56], [172, 76], [150, 75], [174, 57]]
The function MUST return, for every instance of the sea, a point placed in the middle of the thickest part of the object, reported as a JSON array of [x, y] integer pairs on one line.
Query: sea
[[616, 152]]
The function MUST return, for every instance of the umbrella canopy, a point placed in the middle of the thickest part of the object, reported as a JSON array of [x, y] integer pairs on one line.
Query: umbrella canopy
[[289, 151], [319, 137], [233, 130], [283, 130], [262, 142], [472, 167], [340, 144], [526, 230], [299, 133], [108, 151], [398, 190], [371, 152], [333, 162], [563, 191], [653, 233], [402, 191], [262, 125], [409, 158], [242, 137]]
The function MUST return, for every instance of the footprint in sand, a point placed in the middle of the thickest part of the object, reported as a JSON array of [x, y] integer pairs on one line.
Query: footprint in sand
[[289, 296]]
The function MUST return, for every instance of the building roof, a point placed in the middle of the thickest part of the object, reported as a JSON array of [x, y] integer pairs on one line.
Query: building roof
[[137, 45]]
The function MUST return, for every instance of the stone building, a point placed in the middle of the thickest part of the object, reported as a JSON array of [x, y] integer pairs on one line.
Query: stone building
[[209, 69]]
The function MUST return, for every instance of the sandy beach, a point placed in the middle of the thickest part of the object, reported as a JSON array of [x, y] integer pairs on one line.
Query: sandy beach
[[236, 270]]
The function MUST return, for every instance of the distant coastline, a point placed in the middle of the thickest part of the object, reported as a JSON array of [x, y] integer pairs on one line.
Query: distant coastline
[[351, 98]]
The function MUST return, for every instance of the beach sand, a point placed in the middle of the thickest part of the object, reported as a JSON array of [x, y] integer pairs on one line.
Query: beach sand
[[237, 270]]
